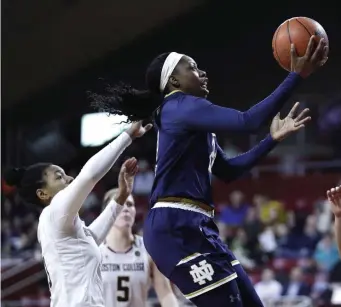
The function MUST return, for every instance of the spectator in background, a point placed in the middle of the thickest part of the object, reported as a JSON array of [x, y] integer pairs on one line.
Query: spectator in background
[[326, 253], [268, 288], [225, 233], [324, 216], [144, 179], [309, 238], [270, 211], [234, 214], [252, 224], [296, 286], [299, 215], [320, 287], [253, 228], [241, 250], [267, 241], [300, 243], [282, 237]]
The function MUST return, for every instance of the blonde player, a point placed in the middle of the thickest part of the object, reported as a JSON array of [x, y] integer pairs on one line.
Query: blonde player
[[334, 197], [70, 248], [127, 270]]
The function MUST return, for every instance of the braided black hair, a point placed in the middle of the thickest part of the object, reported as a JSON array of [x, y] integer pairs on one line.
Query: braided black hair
[[122, 99], [28, 181]]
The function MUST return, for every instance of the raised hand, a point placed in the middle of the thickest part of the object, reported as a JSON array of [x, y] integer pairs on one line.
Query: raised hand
[[126, 180], [137, 130], [282, 128]]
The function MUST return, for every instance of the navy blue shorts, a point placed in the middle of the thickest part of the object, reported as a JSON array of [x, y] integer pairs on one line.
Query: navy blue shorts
[[186, 248]]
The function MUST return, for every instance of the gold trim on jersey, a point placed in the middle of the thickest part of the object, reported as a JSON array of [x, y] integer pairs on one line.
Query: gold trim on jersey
[[188, 258], [235, 262], [211, 287], [172, 92], [180, 200]]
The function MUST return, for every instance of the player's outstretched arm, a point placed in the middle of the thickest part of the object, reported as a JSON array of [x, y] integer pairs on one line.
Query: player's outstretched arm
[[66, 204], [163, 288], [102, 224], [200, 114], [229, 169], [334, 197]]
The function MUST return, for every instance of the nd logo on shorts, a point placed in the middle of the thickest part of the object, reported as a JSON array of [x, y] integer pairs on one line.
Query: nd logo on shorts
[[200, 273]]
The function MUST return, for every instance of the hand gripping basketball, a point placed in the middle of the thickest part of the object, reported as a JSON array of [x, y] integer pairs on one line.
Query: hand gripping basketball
[[312, 60]]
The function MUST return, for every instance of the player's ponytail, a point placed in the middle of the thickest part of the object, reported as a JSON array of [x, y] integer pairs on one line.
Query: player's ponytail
[[122, 99]]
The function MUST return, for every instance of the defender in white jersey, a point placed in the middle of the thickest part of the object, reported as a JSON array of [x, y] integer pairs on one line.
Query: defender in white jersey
[[128, 272], [69, 248]]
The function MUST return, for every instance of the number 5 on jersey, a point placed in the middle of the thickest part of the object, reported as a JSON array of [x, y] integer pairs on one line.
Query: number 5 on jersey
[[123, 290]]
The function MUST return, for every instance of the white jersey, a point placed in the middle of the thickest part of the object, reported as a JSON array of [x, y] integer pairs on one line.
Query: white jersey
[[126, 276], [72, 264], [70, 250]]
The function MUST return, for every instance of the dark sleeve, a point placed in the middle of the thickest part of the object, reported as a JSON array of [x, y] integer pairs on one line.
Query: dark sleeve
[[200, 114], [230, 169]]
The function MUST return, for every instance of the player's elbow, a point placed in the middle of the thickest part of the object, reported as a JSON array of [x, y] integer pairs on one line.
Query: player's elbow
[[251, 124]]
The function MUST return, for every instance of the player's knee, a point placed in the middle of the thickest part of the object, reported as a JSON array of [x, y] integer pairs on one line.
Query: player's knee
[[226, 295]]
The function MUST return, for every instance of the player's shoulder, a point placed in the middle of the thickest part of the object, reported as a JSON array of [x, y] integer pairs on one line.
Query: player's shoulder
[[44, 222], [180, 100], [139, 247], [139, 243], [182, 105], [174, 110], [45, 215]]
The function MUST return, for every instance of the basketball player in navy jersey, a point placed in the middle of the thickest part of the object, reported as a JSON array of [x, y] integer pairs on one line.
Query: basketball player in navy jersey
[[179, 231]]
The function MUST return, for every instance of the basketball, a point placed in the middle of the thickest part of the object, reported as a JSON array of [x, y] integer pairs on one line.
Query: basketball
[[297, 31]]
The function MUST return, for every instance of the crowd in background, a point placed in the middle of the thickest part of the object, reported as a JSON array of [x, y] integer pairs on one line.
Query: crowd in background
[[286, 253]]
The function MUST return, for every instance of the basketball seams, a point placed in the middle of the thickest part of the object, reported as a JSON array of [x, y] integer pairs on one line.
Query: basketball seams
[[303, 25], [296, 30], [289, 36], [288, 31], [275, 48], [278, 57], [310, 24]]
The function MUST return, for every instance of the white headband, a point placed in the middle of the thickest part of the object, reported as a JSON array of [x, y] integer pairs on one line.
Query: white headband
[[168, 67]]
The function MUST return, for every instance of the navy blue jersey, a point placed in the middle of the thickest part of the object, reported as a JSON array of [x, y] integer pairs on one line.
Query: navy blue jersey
[[187, 150]]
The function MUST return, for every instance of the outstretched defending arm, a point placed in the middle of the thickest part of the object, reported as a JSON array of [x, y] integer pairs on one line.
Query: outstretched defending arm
[[66, 204], [102, 224]]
